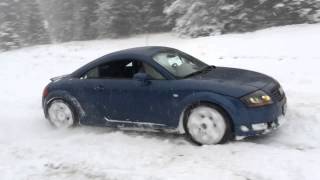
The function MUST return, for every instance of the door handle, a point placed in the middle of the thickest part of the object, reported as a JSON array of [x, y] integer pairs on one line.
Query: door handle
[[99, 88]]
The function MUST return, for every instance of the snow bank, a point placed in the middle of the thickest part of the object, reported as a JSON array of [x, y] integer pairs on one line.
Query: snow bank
[[31, 149]]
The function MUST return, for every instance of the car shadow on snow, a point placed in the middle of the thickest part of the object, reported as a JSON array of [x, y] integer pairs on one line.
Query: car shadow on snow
[[162, 137], [170, 138]]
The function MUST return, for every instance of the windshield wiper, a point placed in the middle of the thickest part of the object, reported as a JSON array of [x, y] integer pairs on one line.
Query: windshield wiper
[[204, 70]]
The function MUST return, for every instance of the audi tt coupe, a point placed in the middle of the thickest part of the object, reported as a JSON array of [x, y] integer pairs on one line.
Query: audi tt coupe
[[164, 89]]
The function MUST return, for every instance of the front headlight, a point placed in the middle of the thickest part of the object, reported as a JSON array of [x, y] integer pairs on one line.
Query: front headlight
[[257, 99]]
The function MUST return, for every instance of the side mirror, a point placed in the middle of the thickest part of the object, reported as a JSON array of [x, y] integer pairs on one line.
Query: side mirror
[[143, 78]]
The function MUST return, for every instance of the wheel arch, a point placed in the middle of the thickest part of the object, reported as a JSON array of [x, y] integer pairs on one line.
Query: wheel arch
[[65, 96], [226, 106]]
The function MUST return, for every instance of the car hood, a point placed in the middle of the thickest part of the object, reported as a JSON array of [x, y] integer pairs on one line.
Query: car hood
[[234, 82]]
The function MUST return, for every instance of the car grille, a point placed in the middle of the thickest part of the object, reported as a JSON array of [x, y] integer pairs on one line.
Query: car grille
[[277, 93]]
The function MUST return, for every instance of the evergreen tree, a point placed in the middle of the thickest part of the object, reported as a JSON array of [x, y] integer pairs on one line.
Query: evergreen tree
[[70, 19], [31, 23], [208, 17], [59, 17], [9, 38], [153, 17], [116, 18], [83, 18], [21, 24], [126, 17]]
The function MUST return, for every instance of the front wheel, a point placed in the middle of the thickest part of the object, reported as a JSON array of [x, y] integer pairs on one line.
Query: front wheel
[[61, 114], [207, 124]]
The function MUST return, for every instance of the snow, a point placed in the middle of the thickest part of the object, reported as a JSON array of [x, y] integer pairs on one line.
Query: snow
[[31, 149]]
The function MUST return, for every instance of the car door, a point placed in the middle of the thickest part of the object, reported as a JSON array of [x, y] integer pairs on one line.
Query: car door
[[94, 90], [88, 93], [123, 101], [134, 103]]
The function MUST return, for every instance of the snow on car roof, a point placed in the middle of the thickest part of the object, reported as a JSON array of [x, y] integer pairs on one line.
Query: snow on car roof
[[145, 50]]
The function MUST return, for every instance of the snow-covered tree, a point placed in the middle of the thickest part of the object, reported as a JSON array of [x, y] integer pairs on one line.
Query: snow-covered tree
[[70, 19], [116, 18], [196, 17], [83, 18], [209, 17], [59, 17], [31, 23], [122, 18], [152, 14], [21, 24], [9, 38]]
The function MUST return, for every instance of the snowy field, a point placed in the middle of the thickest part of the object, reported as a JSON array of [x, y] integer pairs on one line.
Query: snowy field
[[30, 149]]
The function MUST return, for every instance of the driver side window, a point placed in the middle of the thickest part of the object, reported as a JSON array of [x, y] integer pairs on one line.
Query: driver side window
[[174, 63], [153, 74]]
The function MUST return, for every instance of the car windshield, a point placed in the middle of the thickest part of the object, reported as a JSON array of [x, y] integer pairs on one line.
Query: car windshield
[[180, 65]]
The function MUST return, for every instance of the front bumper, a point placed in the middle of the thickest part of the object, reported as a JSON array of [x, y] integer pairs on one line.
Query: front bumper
[[263, 120], [262, 128]]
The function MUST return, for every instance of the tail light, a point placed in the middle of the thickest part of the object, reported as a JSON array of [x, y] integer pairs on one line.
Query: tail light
[[45, 92]]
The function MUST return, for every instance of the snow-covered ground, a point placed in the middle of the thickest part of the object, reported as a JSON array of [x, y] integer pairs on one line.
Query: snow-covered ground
[[30, 149]]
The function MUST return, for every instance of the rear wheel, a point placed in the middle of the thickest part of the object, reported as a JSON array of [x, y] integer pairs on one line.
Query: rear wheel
[[61, 114], [207, 124]]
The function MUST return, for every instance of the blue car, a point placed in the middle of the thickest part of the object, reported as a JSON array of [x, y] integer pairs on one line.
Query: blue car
[[164, 89]]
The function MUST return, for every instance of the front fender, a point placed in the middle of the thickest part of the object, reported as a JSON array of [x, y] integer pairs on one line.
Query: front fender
[[231, 105]]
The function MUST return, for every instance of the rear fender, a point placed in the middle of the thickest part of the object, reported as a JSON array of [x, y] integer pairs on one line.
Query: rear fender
[[64, 95]]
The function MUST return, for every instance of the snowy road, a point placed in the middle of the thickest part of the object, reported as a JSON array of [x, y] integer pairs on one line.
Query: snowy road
[[31, 150]]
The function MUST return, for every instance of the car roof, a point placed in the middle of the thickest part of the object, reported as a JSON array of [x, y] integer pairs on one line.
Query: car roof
[[145, 51]]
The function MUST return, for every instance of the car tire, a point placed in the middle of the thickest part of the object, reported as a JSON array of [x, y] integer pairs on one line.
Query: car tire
[[62, 114], [207, 124]]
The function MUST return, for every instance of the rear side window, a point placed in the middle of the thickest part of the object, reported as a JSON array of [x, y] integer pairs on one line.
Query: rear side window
[[92, 74], [124, 69], [112, 70]]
